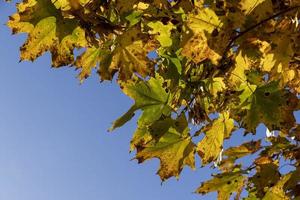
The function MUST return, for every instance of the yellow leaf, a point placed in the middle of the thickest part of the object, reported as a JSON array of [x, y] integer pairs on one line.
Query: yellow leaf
[[65, 5], [279, 56], [163, 32], [87, 61], [174, 149], [216, 85], [277, 192], [201, 23], [128, 57], [233, 153], [225, 184], [256, 10], [211, 145], [48, 31], [242, 64]]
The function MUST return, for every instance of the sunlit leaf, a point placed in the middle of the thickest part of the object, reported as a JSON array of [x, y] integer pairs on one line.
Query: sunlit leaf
[[277, 192], [163, 32], [225, 184], [174, 149], [48, 31], [150, 97], [129, 56], [211, 145], [200, 24]]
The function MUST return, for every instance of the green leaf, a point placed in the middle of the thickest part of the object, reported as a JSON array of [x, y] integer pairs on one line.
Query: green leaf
[[150, 97], [269, 105], [173, 60], [162, 31], [134, 17]]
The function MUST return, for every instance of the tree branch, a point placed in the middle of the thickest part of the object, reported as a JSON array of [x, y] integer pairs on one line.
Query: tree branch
[[228, 47]]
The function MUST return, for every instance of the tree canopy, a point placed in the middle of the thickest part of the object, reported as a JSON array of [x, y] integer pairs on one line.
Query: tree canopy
[[197, 70]]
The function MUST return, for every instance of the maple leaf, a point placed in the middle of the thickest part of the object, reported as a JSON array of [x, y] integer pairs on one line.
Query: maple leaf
[[87, 61], [210, 146], [124, 6], [174, 149], [269, 105], [242, 64], [150, 97], [266, 176], [216, 85], [233, 153], [129, 56], [279, 144], [162, 31], [291, 77], [255, 11], [279, 56], [277, 192], [225, 184], [146, 133], [195, 44], [292, 185], [48, 31]]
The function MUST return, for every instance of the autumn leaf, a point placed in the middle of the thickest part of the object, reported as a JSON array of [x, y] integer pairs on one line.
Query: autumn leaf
[[129, 56], [277, 192], [163, 32], [266, 176], [174, 149], [242, 64], [211, 145], [255, 11], [231, 154], [48, 31], [225, 184], [216, 85], [195, 45], [87, 61]]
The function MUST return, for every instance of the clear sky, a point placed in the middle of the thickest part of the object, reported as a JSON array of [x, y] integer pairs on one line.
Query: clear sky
[[53, 139]]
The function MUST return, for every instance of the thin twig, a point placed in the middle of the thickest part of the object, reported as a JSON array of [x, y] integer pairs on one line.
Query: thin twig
[[228, 47]]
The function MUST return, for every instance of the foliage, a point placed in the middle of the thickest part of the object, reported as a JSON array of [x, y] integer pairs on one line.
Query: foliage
[[221, 66]]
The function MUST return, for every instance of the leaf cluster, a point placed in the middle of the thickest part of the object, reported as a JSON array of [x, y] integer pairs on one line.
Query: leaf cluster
[[219, 66]]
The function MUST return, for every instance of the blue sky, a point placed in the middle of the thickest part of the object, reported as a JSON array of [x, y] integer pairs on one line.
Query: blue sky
[[54, 143]]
